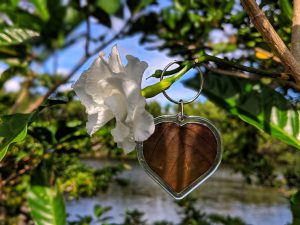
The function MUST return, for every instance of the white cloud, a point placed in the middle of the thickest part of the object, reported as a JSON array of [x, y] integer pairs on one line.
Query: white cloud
[[13, 85], [65, 87], [63, 71]]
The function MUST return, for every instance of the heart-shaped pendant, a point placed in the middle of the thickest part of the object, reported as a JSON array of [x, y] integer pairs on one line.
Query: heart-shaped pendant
[[181, 154]]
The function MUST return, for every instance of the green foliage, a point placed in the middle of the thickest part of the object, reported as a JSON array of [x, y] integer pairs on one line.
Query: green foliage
[[295, 206], [109, 7], [41, 9], [138, 5], [46, 205], [14, 129], [287, 8], [45, 200], [190, 215], [256, 104], [13, 36], [59, 137]]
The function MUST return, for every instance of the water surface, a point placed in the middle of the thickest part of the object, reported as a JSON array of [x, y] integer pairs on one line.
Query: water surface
[[224, 193]]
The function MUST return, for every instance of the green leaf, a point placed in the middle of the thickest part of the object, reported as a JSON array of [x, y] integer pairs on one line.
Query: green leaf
[[46, 205], [41, 9], [295, 207], [286, 8], [14, 129], [110, 7], [13, 36], [44, 198], [18, 138], [138, 5], [100, 210], [256, 104]]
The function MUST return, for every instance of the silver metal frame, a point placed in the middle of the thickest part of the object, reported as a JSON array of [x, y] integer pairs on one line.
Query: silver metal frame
[[202, 178], [200, 87]]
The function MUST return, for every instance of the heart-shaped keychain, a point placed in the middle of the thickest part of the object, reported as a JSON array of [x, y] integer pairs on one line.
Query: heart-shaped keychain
[[183, 151]]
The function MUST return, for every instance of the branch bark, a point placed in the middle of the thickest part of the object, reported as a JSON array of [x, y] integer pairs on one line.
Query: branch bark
[[268, 33], [296, 31]]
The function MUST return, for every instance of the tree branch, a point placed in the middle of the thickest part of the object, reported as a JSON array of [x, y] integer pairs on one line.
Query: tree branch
[[296, 31], [232, 73], [88, 36], [51, 90], [264, 73], [268, 33]]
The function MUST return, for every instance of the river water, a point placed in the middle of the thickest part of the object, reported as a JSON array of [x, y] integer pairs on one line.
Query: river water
[[224, 193]]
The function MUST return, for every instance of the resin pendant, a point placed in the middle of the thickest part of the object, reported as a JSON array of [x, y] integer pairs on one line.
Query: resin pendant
[[181, 153]]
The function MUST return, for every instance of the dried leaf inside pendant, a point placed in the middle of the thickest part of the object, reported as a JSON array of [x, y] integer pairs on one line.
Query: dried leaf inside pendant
[[180, 155]]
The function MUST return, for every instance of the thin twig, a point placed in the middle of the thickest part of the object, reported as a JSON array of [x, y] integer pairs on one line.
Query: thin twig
[[232, 73], [51, 90], [268, 33], [270, 74], [88, 36], [296, 31]]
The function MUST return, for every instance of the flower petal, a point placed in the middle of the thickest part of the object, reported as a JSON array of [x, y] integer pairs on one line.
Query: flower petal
[[127, 145], [108, 90], [120, 132], [96, 73], [117, 104], [135, 68], [115, 60], [86, 99], [97, 120], [143, 125]]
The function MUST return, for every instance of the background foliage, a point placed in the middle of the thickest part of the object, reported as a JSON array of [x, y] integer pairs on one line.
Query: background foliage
[[42, 147]]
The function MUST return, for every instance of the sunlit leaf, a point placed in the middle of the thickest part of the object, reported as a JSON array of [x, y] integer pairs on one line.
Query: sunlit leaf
[[110, 7], [256, 104], [41, 8], [47, 205], [13, 36], [286, 8], [13, 128]]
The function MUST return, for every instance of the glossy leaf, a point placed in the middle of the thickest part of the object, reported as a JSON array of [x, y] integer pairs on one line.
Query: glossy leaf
[[110, 7], [13, 36], [286, 8], [295, 207], [41, 8], [13, 129], [256, 104], [46, 205]]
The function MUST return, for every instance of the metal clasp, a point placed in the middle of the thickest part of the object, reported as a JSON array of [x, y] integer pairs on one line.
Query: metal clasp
[[180, 114]]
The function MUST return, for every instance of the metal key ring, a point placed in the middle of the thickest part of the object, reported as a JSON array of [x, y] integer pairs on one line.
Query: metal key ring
[[200, 87]]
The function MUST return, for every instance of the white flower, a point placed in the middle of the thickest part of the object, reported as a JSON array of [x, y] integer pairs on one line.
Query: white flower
[[109, 90]]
